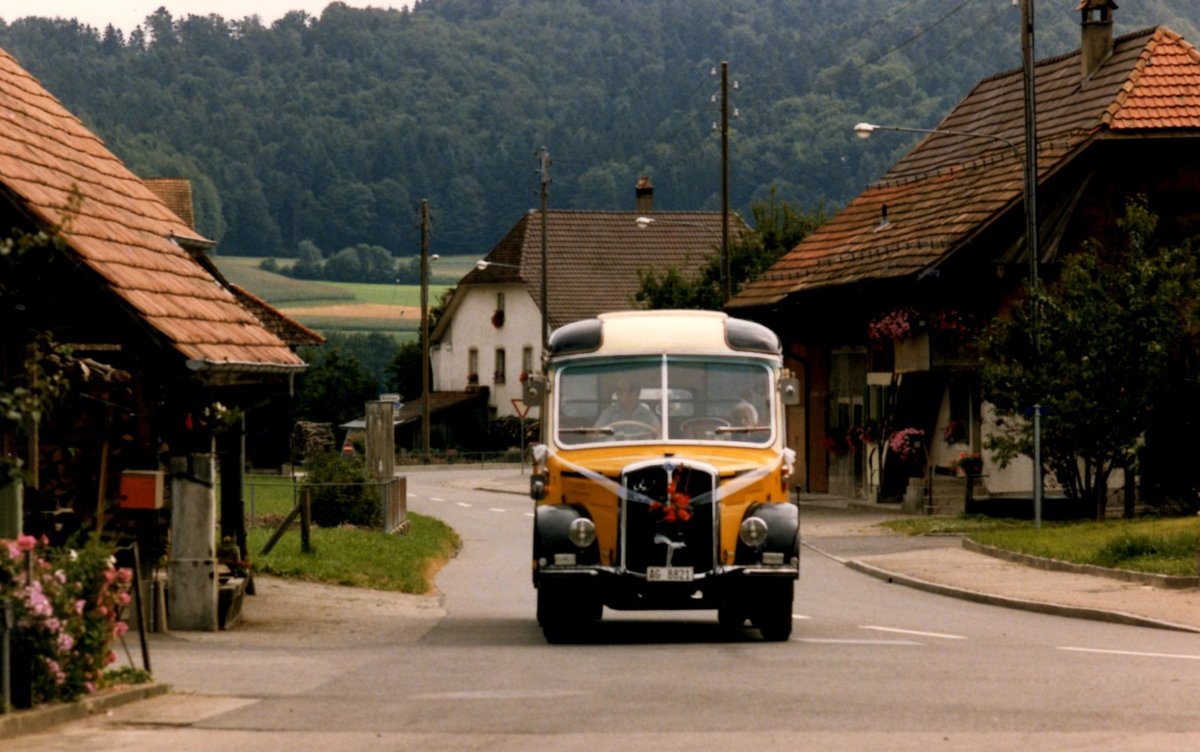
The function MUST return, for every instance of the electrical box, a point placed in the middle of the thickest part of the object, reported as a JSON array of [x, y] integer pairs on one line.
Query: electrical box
[[141, 489]]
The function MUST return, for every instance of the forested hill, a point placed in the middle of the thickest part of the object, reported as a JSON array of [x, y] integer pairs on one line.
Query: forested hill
[[333, 128]]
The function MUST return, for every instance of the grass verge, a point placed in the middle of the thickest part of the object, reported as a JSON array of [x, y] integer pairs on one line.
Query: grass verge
[[345, 555], [1156, 545], [362, 558]]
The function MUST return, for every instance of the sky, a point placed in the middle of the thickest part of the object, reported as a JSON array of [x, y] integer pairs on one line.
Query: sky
[[126, 14]]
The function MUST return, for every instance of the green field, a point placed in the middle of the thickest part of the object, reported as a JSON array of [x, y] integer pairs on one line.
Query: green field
[[277, 289], [287, 294]]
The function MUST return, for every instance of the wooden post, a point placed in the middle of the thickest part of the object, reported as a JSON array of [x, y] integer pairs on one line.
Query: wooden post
[[193, 564], [306, 520]]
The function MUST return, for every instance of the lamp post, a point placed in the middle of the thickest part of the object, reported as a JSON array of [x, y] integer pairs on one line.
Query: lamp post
[[1029, 167], [426, 259]]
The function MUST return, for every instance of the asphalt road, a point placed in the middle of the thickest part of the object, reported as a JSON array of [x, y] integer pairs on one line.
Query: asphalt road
[[870, 666]]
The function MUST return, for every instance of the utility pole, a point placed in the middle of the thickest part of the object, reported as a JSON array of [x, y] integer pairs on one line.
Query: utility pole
[[726, 283], [1031, 235], [544, 172], [425, 330]]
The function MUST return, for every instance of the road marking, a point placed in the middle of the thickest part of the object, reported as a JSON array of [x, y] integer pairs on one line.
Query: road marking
[[464, 504], [938, 635], [501, 694], [412, 496], [819, 641], [436, 498], [1134, 653], [529, 514], [800, 617], [497, 509]]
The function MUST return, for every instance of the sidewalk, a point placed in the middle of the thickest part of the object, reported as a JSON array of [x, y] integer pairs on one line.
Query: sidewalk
[[848, 531]]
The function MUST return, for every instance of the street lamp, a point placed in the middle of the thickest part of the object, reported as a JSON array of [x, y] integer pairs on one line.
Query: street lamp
[[1029, 165]]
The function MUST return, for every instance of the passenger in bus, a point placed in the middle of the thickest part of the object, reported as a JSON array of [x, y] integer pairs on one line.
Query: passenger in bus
[[744, 415], [628, 407]]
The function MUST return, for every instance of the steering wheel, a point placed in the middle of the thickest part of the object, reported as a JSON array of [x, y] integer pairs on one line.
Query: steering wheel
[[700, 428], [630, 430]]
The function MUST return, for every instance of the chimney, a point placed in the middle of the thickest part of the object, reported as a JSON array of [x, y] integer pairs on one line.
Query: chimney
[[1097, 33], [645, 195]]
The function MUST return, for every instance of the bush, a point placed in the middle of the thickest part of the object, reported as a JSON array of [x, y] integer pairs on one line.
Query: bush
[[342, 493], [67, 605]]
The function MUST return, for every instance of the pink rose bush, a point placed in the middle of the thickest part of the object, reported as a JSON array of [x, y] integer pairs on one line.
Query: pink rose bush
[[67, 605]]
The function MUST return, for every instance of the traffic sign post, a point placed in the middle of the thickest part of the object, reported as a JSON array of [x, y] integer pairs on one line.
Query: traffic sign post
[[522, 410]]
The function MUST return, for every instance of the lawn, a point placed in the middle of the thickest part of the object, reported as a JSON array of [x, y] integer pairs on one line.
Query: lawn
[[344, 555], [1157, 545]]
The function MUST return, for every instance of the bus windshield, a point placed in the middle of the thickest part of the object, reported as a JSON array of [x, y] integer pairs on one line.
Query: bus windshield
[[664, 399]]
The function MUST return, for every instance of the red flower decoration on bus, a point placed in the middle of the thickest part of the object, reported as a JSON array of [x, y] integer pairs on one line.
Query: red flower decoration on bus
[[677, 507]]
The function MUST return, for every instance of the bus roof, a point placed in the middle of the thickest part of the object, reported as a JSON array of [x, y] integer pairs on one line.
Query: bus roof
[[655, 332]]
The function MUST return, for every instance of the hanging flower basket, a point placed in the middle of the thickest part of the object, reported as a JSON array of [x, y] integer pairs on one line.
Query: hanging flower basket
[[908, 444], [498, 318]]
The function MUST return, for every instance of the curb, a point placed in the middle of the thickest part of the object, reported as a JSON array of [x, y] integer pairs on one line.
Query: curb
[[33, 720], [1166, 582], [1054, 609]]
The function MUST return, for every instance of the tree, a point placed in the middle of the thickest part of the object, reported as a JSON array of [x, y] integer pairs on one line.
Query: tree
[[1097, 350], [778, 227], [334, 388], [404, 372]]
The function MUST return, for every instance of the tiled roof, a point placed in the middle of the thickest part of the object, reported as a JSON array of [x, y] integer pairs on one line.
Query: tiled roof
[[176, 193], [950, 186], [123, 232], [593, 257]]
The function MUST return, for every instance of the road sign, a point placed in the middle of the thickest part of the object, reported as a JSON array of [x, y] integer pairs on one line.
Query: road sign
[[521, 408]]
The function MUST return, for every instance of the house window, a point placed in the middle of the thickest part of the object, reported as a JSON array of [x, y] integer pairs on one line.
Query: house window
[[473, 366], [498, 375], [526, 362], [960, 410], [498, 314]]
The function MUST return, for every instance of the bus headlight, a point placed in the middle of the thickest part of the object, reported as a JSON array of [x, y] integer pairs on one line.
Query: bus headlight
[[753, 532], [582, 532]]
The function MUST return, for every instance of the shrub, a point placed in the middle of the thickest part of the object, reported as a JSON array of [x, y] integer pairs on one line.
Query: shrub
[[67, 605], [342, 493]]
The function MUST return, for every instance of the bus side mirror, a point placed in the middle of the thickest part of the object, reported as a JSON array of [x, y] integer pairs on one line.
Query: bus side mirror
[[533, 390], [789, 390]]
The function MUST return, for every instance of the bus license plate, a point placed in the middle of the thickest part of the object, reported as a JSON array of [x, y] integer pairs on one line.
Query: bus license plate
[[669, 574]]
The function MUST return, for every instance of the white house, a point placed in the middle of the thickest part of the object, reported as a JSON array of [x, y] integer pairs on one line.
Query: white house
[[491, 333]]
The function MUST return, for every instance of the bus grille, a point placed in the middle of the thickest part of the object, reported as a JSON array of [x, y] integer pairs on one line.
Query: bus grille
[[650, 519]]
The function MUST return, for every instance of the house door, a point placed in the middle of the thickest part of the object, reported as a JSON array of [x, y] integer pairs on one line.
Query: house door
[[847, 385]]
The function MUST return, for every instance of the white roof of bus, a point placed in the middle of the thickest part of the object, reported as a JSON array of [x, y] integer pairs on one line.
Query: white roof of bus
[[651, 332]]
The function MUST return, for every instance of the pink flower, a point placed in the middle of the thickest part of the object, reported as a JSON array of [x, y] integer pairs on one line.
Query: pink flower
[[39, 604], [90, 687], [111, 657], [123, 599], [65, 643], [119, 629], [124, 576], [79, 606], [26, 542]]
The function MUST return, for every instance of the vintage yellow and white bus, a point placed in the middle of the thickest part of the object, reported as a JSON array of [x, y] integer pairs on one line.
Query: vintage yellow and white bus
[[662, 479]]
